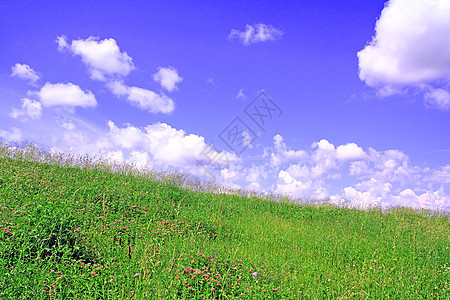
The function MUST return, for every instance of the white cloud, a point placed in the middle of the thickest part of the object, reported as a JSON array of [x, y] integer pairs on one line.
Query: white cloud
[[228, 174], [25, 72], [438, 99], [255, 174], [366, 178], [439, 176], [148, 100], [323, 158], [65, 94], [292, 186], [160, 144], [350, 152], [140, 159], [14, 136], [360, 169], [102, 57], [75, 137], [142, 98], [30, 108], [168, 78], [116, 156], [107, 63], [409, 48], [62, 42], [430, 199], [409, 45], [67, 124], [283, 154], [380, 195], [256, 33], [324, 145]]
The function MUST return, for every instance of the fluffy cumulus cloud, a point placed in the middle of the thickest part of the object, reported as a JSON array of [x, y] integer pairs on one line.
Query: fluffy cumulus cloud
[[159, 145], [256, 34], [65, 94], [30, 109], [168, 78], [102, 57], [143, 98], [350, 152], [107, 63], [347, 174], [25, 72], [282, 153], [409, 49]]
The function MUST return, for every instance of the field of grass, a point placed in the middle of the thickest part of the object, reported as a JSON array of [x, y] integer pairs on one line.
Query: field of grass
[[75, 228]]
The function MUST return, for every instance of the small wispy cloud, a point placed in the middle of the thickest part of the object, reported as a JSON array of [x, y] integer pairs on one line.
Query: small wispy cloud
[[168, 78], [256, 34], [143, 98], [30, 108]]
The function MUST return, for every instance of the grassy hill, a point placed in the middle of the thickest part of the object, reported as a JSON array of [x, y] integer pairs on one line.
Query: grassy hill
[[73, 228]]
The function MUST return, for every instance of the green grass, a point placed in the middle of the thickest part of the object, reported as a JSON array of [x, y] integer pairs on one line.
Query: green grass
[[82, 228]]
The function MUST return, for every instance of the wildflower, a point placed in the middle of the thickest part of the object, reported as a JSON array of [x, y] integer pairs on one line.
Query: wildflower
[[255, 274], [275, 289], [137, 274], [415, 278], [131, 293]]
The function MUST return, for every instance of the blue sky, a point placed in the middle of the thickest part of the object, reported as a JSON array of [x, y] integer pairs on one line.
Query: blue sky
[[361, 91]]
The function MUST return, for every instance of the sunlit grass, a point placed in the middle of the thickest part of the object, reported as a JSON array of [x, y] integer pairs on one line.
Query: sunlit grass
[[75, 227]]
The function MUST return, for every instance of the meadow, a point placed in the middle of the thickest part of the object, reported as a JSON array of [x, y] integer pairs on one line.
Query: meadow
[[75, 227]]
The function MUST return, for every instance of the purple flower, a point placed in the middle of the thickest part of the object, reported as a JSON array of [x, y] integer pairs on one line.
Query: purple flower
[[255, 274], [137, 274]]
